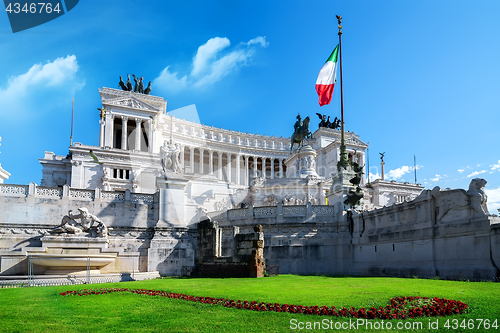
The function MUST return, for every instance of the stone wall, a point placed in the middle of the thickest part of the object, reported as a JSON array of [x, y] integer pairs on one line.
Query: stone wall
[[246, 260], [437, 234], [301, 239], [27, 212], [440, 233]]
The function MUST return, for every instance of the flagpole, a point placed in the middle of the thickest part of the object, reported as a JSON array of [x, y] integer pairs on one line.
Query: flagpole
[[415, 167], [343, 153], [368, 160], [72, 114]]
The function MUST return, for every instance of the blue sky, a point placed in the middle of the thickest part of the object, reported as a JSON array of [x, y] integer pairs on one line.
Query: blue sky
[[420, 77]]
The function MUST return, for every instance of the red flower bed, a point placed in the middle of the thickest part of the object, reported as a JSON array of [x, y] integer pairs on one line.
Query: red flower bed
[[399, 307]]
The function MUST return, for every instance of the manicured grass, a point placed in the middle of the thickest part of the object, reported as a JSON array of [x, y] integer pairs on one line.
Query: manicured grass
[[43, 309]]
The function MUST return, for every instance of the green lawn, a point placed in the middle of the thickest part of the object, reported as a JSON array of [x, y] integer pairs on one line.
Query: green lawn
[[43, 309]]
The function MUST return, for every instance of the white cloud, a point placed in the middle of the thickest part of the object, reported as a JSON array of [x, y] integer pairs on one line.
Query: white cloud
[[213, 61], [207, 52], [40, 80], [495, 166], [493, 200], [374, 176], [475, 173], [399, 172], [461, 170], [258, 40], [224, 66], [437, 178], [170, 81]]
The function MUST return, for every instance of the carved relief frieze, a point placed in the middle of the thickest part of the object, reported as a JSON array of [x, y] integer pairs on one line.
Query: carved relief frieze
[[138, 234], [175, 235], [221, 205], [23, 231], [130, 103]]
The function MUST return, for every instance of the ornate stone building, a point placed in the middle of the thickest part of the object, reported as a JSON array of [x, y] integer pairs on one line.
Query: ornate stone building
[[153, 177], [221, 165]]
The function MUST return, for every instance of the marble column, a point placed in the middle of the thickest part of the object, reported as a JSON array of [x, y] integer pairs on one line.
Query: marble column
[[181, 157], [109, 130], [228, 167], [280, 161], [124, 132], [138, 134], [219, 172], [245, 182], [362, 162], [150, 135], [264, 167], [254, 166], [202, 169], [191, 159], [101, 133], [272, 167], [237, 180], [210, 162]]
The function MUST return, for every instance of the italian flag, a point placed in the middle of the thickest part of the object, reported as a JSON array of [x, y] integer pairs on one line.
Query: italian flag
[[327, 77]]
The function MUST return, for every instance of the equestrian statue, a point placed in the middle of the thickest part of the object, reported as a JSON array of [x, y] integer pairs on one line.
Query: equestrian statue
[[301, 132]]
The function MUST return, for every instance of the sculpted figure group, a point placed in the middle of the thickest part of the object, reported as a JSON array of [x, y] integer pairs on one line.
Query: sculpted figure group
[[170, 157], [138, 86], [78, 223], [325, 121]]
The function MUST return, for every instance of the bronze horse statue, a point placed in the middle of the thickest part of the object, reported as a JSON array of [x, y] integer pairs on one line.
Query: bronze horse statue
[[302, 132]]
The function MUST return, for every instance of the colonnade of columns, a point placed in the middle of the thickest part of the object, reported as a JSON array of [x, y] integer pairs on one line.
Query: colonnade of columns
[[108, 133], [231, 167]]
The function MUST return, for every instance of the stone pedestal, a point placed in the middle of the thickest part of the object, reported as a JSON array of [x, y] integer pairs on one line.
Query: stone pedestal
[[74, 254], [171, 200], [171, 248], [340, 188], [338, 193], [301, 163], [171, 251]]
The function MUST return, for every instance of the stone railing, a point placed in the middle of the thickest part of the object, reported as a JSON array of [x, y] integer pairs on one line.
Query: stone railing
[[14, 190], [57, 193], [219, 135], [278, 212]]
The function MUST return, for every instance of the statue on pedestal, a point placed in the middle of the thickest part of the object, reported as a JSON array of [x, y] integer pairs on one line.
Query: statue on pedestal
[[87, 221], [301, 131], [138, 86], [169, 156]]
